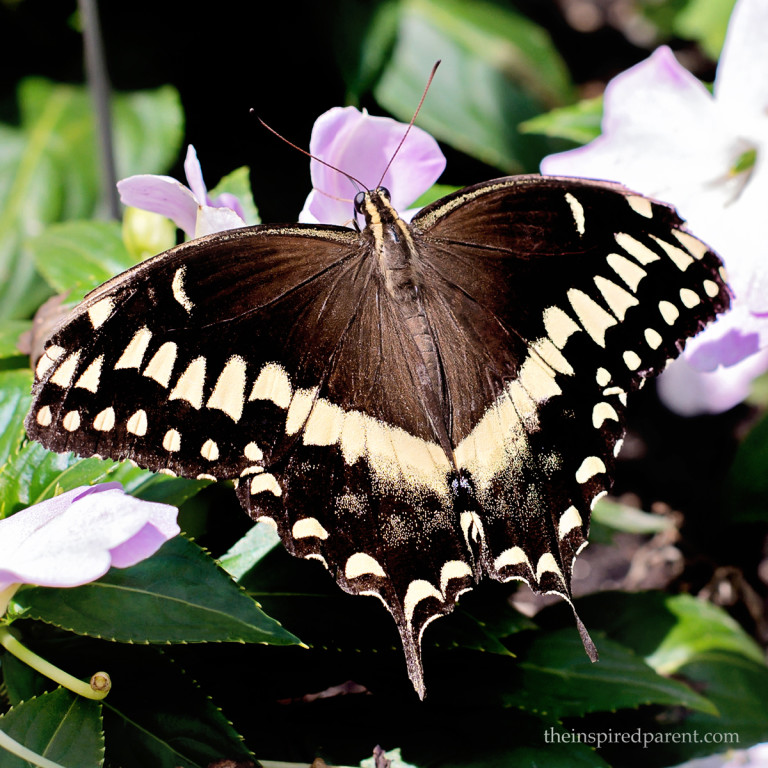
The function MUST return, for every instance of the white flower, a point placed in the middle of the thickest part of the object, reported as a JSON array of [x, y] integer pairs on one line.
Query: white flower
[[666, 136]]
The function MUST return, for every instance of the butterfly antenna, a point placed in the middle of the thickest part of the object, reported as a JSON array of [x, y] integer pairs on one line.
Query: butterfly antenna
[[413, 120], [303, 151]]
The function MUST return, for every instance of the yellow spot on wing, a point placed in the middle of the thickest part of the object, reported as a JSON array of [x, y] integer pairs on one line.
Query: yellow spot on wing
[[592, 316], [635, 248], [134, 352], [615, 297], [66, 371], [641, 205], [681, 258], [627, 270], [691, 244], [591, 466], [90, 378], [160, 367], [362, 564], [137, 424], [569, 520], [578, 212], [177, 286], [229, 393], [172, 440], [298, 411], [210, 450], [189, 386], [48, 358], [272, 384], [669, 312], [308, 527], [559, 326], [689, 298], [100, 311], [105, 420]]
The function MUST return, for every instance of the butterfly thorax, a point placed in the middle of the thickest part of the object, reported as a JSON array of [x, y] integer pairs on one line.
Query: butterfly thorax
[[400, 269]]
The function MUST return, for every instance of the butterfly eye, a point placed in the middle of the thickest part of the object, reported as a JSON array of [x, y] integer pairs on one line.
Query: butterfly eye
[[359, 200], [384, 192]]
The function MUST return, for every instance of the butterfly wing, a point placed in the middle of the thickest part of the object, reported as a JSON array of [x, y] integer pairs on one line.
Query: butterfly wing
[[553, 298], [271, 356], [276, 356]]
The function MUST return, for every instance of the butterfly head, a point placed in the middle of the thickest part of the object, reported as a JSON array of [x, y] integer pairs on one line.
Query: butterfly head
[[375, 206]]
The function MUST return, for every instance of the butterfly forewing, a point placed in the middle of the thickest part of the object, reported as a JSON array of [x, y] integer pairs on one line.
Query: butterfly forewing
[[414, 408]]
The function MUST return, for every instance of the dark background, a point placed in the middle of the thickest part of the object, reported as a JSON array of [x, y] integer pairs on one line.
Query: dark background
[[278, 59]]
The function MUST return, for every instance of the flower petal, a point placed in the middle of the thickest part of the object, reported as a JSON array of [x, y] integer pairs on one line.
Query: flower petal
[[690, 392], [210, 220], [362, 145], [660, 135], [228, 200], [68, 540], [161, 194], [741, 85], [194, 174]]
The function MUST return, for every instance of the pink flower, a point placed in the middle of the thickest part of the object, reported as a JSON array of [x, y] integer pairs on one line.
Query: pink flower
[[666, 136], [190, 208], [362, 145], [75, 538]]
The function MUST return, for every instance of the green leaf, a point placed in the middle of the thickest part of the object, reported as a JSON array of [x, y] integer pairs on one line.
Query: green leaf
[[49, 172], [700, 627], [746, 488], [498, 69], [149, 130], [60, 726], [249, 550], [14, 404], [157, 716], [179, 595], [34, 474], [76, 256], [622, 517], [738, 687], [580, 122], [238, 183], [9, 337], [557, 678], [705, 21], [364, 36], [435, 192], [667, 630], [21, 681]]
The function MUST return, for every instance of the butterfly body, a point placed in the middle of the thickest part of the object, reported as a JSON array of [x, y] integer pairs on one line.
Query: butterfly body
[[414, 405]]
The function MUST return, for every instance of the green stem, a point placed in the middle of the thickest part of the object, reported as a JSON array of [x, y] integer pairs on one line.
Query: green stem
[[13, 746], [5, 597], [97, 689]]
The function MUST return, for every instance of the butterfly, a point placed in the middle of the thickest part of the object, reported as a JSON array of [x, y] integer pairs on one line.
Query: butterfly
[[417, 406]]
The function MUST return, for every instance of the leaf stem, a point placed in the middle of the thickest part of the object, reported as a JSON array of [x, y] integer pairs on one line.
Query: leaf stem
[[97, 689], [13, 746]]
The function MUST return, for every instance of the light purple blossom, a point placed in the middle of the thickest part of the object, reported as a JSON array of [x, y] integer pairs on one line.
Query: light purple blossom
[[362, 145], [75, 538], [190, 208], [666, 136]]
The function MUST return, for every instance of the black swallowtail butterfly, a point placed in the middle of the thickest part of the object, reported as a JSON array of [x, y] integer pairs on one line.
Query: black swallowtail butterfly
[[416, 406]]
